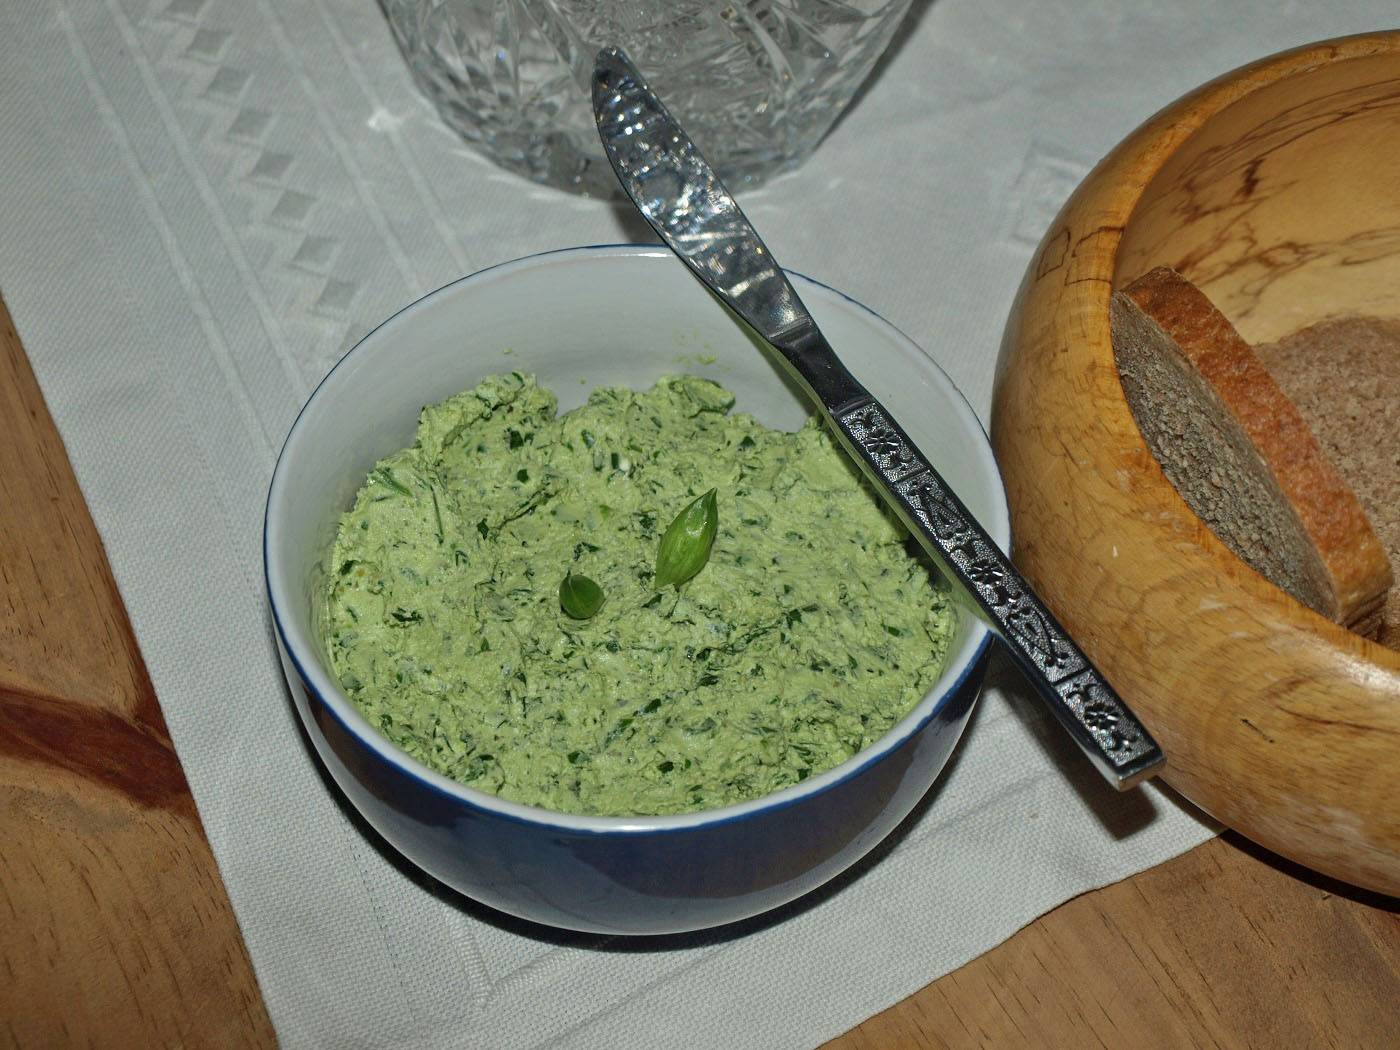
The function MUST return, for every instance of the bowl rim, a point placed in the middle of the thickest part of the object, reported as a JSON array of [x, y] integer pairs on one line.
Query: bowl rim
[[1286, 743], [323, 690]]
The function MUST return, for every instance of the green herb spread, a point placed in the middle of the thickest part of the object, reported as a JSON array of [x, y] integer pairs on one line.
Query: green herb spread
[[808, 633]]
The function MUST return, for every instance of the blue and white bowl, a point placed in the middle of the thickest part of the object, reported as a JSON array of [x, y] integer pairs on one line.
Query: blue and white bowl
[[580, 318]]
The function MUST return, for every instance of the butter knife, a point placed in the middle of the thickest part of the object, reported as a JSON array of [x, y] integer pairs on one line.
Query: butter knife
[[679, 194]]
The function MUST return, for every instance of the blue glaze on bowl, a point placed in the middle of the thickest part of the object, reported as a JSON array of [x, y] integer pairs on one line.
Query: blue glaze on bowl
[[641, 875], [638, 881]]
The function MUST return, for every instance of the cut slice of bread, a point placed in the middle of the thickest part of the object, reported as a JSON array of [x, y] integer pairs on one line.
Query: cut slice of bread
[[1343, 376], [1239, 453]]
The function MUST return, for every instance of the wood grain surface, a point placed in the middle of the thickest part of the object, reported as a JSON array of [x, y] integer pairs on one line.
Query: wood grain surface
[[1273, 190], [1225, 947], [115, 929]]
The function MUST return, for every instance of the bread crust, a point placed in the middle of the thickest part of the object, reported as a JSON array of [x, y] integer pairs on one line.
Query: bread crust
[[1356, 564]]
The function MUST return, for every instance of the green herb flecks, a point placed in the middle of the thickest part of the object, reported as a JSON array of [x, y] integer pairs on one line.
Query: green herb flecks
[[437, 514], [444, 622], [385, 477]]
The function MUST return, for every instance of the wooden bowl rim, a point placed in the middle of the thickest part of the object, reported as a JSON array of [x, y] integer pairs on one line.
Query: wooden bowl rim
[[1155, 142], [1280, 723]]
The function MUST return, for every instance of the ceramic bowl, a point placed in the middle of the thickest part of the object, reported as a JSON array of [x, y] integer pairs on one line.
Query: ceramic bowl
[[580, 318], [1273, 189]]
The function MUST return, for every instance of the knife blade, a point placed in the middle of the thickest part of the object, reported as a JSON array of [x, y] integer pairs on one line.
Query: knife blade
[[685, 202]]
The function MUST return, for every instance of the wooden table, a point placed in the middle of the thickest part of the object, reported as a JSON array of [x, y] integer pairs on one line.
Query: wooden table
[[115, 928]]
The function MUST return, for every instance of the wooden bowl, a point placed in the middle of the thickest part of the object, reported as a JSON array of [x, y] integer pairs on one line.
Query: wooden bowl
[[1276, 189]]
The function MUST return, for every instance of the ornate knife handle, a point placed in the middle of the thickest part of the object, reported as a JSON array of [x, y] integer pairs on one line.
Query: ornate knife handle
[[685, 202], [1083, 701]]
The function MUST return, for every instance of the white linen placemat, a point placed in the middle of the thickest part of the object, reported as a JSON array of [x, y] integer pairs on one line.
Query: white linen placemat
[[203, 203]]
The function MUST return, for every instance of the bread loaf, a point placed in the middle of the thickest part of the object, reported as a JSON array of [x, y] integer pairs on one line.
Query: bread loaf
[[1240, 454], [1343, 376]]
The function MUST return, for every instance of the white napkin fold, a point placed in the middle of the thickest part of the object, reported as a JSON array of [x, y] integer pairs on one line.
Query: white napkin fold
[[202, 204]]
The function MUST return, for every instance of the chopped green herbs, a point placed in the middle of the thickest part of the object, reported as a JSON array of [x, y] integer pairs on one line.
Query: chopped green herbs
[[768, 657], [437, 514], [385, 477]]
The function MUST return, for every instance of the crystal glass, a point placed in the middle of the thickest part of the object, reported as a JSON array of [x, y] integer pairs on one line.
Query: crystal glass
[[757, 83]]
